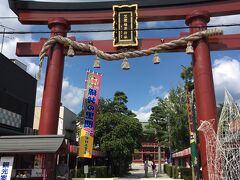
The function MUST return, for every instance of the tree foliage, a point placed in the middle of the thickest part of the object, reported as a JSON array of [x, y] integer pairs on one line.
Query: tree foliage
[[118, 132], [169, 118]]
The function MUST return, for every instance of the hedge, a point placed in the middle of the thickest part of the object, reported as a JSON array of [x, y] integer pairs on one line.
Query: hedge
[[100, 171], [169, 170], [175, 171], [186, 173]]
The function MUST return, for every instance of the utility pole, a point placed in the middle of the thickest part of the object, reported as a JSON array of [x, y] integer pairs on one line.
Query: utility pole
[[4, 29], [159, 153], [169, 146], [159, 158]]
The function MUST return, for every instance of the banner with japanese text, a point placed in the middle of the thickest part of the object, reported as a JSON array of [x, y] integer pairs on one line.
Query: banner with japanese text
[[90, 105], [6, 164]]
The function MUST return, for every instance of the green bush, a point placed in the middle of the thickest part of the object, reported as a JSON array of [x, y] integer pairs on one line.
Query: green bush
[[80, 173], [100, 171], [186, 173], [164, 168], [175, 172], [169, 170], [109, 171]]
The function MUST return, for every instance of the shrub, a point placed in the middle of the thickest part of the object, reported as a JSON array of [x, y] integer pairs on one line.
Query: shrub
[[101, 172], [164, 168], [186, 173], [175, 172], [169, 170]]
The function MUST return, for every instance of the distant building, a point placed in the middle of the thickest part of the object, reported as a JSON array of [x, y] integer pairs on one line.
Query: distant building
[[17, 97], [65, 122], [148, 150], [19, 64]]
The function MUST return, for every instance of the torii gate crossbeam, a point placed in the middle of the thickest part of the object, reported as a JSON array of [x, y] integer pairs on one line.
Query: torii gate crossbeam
[[216, 43]]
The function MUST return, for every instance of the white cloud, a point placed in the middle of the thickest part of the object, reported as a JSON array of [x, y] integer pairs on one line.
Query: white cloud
[[72, 96], [10, 41], [9, 49], [233, 19], [39, 94], [144, 112], [151, 24], [226, 73], [155, 90], [93, 35]]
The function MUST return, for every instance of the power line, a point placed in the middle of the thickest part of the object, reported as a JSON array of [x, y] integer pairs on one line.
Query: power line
[[5, 17], [110, 30], [6, 27]]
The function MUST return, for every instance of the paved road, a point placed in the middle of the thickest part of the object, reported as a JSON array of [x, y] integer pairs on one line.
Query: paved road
[[137, 172]]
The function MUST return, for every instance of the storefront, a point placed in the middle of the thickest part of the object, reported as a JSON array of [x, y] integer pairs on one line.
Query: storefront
[[34, 157]]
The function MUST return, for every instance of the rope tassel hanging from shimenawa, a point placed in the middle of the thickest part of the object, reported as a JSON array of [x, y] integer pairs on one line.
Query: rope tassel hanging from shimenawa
[[125, 64], [97, 62], [189, 49], [70, 52], [156, 58]]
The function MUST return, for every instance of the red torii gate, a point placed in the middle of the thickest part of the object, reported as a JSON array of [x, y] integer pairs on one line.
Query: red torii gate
[[59, 17]]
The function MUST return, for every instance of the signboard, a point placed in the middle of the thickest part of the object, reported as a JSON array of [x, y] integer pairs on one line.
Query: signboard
[[6, 165], [125, 25], [90, 105], [85, 169], [38, 161], [38, 173]]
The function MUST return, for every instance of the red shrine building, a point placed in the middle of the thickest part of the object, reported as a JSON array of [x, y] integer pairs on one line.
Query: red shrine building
[[149, 150]]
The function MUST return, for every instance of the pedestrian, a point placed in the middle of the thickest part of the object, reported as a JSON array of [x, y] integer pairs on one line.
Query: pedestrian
[[146, 165], [154, 169], [62, 170]]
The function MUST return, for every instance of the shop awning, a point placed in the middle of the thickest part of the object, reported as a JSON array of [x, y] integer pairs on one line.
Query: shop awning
[[183, 153], [32, 144]]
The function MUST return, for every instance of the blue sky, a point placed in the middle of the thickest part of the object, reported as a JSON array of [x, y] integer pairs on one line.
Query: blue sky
[[144, 81]]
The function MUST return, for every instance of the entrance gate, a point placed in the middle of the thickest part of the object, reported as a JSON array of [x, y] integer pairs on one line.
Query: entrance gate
[[59, 16]]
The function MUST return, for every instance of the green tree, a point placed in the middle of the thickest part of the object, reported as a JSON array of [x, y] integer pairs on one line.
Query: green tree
[[158, 120], [118, 132], [149, 134], [169, 118], [178, 118]]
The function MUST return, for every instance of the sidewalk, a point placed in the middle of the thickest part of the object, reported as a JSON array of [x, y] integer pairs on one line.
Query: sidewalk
[[137, 172]]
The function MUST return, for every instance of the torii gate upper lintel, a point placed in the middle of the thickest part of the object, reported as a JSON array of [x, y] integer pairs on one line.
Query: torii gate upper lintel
[[39, 12], [205, 96]]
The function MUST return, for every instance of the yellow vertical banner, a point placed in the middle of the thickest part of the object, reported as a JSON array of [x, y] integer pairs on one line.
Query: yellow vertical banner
[[86, 144]]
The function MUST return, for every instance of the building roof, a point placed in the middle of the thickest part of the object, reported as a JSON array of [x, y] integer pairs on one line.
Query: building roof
[[33, 144]]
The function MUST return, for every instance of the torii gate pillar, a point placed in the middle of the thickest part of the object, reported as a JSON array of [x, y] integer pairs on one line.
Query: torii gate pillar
[[53, 80], [203, 80]]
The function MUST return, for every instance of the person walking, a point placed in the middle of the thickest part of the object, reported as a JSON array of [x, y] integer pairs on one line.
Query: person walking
[[146, 165], [154, 169]]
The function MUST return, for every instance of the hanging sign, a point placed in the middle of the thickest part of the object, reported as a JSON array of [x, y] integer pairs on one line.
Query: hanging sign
[[6, 165], [125, 25], [90, 105]]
